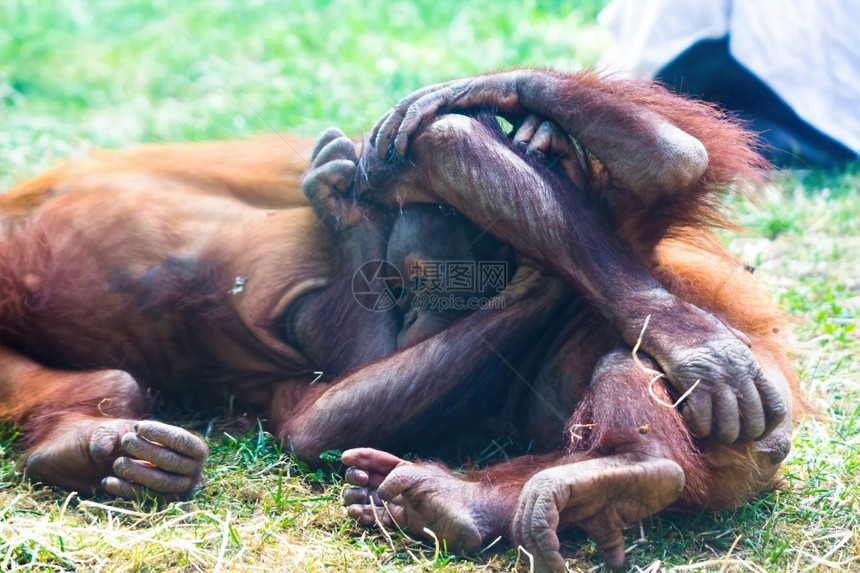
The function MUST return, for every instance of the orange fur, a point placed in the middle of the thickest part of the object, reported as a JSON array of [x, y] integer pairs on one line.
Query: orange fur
[[151, 286], [263, 172]]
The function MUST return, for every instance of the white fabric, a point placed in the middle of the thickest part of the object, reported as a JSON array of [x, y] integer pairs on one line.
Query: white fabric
[[807, 52]]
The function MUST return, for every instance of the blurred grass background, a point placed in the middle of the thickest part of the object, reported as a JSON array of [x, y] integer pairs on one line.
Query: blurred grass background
[[114, 73]]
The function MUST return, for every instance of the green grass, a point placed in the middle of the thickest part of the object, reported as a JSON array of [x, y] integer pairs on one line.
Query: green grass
[[112, 73], [115, 73]]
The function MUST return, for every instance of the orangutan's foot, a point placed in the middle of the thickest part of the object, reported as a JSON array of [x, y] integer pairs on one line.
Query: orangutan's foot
[[417, 497], [601, 496]]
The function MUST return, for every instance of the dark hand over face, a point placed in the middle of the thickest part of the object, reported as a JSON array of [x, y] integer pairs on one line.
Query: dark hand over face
[[731, 398]]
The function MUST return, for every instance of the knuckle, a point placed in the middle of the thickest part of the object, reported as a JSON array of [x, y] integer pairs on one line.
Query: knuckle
[[201, 450], [354, 476], [103, 443], [130, 441], [403, 103], [778, 413], [776, 447], [123, 466], [354, 495], [329, 133]]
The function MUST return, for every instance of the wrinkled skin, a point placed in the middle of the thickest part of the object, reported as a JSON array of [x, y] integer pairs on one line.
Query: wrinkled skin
[[139, 455], [602, 496], [419, 235], [212, 272], [528, 500], [733, 399], [128, 458]]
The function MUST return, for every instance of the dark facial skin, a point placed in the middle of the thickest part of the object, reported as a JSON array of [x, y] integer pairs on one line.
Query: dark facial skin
[[425, 241]]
